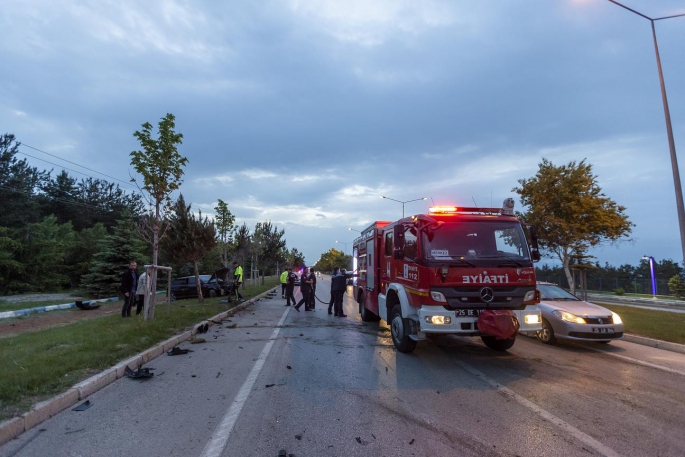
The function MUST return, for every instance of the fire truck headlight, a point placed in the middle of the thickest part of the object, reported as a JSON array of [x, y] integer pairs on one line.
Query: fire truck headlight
[[438, 296], [438, 320], [531, 319]]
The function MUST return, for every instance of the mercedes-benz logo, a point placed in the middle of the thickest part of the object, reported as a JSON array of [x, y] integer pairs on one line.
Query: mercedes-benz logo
[[487, 294]]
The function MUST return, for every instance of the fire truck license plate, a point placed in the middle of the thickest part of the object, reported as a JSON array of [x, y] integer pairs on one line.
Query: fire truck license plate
[[468, 312], [602, 330]]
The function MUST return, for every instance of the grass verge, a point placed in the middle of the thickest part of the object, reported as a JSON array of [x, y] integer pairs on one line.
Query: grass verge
[[660, 325], [36, 366]]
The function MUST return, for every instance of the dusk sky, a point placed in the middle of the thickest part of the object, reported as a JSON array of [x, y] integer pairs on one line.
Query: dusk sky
[[305, 112]]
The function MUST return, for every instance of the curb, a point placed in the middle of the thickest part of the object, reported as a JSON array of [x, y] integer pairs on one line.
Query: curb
[[665, 345], [44, 410]]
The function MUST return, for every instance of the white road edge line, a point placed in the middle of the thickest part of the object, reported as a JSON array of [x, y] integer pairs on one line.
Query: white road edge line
[[641, 362], [219, 438], [587, 439]]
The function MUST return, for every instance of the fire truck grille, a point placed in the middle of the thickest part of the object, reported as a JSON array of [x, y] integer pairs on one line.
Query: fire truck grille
[[509, 297]]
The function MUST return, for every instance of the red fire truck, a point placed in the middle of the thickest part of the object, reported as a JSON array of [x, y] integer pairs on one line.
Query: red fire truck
[[437, 272]]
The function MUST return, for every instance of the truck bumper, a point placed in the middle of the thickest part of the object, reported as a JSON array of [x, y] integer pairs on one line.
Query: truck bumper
[[431, 319]]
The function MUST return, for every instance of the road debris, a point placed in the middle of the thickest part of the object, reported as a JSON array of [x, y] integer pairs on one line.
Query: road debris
[[203, 328], [197, 340], [178, 351], [270, 385], [412, 441], [141, 372], [83, 406]]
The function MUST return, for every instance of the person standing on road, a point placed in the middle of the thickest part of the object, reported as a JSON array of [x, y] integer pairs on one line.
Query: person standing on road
[[336, 271], [237, 279], [312, 297], [141, 290], [129, 283], [306, 289], [339, 286], [290, 287], [284, 282]]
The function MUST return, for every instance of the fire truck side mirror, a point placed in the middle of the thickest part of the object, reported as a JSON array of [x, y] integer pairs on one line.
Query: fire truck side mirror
[[398, 233], [535, 251]]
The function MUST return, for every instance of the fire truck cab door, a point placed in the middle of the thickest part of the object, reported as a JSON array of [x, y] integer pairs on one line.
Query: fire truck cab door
[[370, 265]]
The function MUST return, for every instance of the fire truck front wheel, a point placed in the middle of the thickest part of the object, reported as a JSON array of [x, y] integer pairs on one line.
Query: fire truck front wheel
[[497, 345], [399, 328]]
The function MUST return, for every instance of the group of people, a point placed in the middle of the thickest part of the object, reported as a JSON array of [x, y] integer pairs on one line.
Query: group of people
[[308, 289], [133, 287]]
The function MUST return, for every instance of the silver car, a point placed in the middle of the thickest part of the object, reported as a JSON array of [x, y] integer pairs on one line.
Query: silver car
[[566, 317]]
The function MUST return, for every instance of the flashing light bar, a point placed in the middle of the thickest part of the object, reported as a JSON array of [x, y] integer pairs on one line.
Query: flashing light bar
[[443, 209]]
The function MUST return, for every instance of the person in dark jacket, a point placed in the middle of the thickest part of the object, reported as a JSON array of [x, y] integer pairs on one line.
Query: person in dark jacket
[[336, 272], [129, 283], [339, 286], [312, 296], [290, 287], [306, 289]]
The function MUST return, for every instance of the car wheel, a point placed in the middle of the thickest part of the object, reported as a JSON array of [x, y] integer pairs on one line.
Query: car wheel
[[497, 345], [546, 335], [212, 293], [398, 329]]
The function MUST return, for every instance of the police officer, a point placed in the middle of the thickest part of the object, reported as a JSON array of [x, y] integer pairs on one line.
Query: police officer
[[237, 278], [336, 271], [312, 296], [284, 282], [339, 286]]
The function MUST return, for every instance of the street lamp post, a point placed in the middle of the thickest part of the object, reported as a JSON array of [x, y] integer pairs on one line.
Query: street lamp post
[[403, 202], [342, 242], [354, 230], [669, 128], [651, 272]]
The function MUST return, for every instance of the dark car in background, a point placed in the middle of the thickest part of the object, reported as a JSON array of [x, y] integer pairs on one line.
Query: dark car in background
[[186, 287]]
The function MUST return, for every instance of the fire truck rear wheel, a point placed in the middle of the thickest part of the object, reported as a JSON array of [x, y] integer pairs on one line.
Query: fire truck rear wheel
[[367, 316], [497, 345], [398, 329]]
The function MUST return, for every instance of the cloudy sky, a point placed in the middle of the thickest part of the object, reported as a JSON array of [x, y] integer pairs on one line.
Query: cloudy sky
[[305, 112]]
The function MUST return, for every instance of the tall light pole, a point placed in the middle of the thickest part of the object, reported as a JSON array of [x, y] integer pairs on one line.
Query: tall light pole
[[651, 272], [403, 202], [342, 242], [669, 128]]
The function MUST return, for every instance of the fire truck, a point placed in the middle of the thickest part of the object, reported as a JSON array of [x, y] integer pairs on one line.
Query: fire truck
[[435, 273]]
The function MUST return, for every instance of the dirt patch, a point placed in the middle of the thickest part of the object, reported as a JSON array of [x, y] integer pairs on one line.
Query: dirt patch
[[40, 297], [41, 321]]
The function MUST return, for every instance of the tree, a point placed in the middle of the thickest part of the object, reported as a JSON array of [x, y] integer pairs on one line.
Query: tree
[[161, 166], [268, 243], [188, 239], [225, 226], [19, 185], [242, 243], [332, 259], [570, 212], [115, 252], [295, 258]]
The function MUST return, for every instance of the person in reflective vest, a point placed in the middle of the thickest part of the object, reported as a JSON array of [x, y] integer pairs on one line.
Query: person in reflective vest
[[237, 279], [284, 282]]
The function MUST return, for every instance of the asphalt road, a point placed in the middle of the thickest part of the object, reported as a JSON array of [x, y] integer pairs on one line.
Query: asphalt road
[[272, 379]]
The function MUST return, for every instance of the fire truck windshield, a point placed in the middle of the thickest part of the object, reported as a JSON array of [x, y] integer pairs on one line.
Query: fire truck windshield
[[473, 241]]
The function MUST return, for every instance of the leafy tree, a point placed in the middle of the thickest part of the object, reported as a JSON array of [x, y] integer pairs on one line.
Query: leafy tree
[[115, 252], [19, 186], [161, 166], [295, 259], [188, 239], [268, 244], [9, 266], [570, 211], [332, 259], [676, 286], [242, 243], [225, 226]]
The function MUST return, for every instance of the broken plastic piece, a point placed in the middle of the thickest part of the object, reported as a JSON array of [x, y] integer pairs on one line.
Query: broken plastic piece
[[83, 406], [203, 328], [139, 373], [178, 351]]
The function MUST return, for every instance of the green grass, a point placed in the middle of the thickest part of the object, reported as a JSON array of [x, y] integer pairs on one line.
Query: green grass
[[660, 325], [41, 364], [11, 306]]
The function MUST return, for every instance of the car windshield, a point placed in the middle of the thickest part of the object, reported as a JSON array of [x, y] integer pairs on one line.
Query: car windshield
[[550, 292], [205, 278], [477, 240]]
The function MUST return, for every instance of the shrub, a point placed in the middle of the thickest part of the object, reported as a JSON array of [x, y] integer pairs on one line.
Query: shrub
[[619, 291]]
